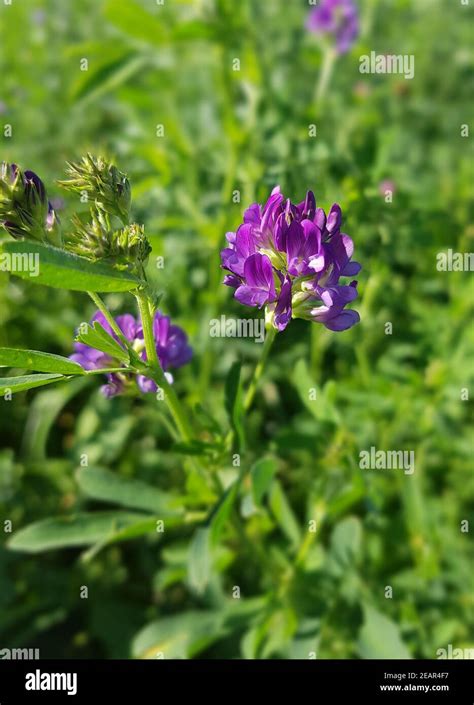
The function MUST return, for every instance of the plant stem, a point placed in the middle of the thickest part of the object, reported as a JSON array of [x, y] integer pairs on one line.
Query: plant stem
[[329, 58], [269, 338], [156, 373], [109, 370], [109, 318]]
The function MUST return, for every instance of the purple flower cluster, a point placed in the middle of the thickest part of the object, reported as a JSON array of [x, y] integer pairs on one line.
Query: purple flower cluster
[[171, 346], [338, 18], [289, 258]]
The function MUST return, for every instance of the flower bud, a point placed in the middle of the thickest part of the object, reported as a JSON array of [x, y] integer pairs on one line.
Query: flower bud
[[24, 208], [108, 187], [126, 248]]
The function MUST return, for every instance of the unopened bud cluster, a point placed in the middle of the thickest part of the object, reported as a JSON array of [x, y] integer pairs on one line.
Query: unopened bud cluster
[[25, 211]]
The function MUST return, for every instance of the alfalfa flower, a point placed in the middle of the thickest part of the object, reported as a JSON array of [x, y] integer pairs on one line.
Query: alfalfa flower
[[25, 211], [104, 184], [338, 19], [289, 258], [171, 344]]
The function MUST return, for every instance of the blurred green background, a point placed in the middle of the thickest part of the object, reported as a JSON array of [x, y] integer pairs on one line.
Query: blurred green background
[[168, 69]]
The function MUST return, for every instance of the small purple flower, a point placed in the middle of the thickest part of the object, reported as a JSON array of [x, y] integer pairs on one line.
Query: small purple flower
[[290, 258], [171, 346], [338, 18]]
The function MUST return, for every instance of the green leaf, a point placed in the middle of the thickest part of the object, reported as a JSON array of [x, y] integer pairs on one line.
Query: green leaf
[[194, 447], [262, 474], [98, 338], [138, 528], [39, 361], [221, 512], [20, 384], [346, 541], [135, 21], [42, 413], [206, 420], [76, 530], [283, 513], [199, 560], [106, 77], [306, 641], [63, 270], [109, 487], [379, 637], [233, 402], [180, 636]]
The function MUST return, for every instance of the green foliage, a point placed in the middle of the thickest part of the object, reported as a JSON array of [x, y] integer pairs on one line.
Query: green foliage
[[24, 382], [97, 337], [39, 361], [309, 538], [64, 270], [76, 530], [380, 638]]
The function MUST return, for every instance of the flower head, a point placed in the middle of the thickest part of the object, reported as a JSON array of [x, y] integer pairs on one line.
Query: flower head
[[25, 211], [338, 18], [289, 258], [109, 235], [171, 346], [125, 248], [108, 187]]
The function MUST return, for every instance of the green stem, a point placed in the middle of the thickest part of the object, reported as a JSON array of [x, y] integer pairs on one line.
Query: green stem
[[156, 373], [109, 318], [109, 370], [329, 58], [269, 338]]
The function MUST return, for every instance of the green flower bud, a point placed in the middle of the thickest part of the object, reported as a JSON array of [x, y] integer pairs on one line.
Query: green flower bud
[[25, 211], [108, 187], [126, 248]]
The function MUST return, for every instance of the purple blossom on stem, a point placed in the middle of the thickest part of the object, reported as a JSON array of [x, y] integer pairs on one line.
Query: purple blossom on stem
[[290, 258], [171, 346], [338, 18]]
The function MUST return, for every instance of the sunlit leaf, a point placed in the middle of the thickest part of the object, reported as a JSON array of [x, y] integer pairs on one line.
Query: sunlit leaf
[[63, 270], [38, 361]]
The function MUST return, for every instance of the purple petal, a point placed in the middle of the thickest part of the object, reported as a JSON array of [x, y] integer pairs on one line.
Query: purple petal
[[343, 321], [253, 214], [146, 385], [259, 287], [127, 325], [334, 218], [351, 269], [161, 327], [232, 280], [113, 387], [283, 308]]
